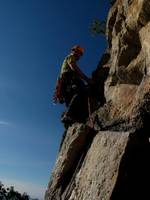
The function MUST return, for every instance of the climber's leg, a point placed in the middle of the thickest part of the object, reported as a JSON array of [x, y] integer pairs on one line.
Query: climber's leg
[[77, 109]]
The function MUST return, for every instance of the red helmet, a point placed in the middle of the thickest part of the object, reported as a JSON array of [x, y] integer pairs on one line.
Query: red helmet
[[77, 49]]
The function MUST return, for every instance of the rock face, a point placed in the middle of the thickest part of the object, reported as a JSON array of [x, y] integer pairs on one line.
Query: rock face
[[111, 160]]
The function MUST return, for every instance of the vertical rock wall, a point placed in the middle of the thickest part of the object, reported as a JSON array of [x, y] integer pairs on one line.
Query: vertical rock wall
[[111, 161]]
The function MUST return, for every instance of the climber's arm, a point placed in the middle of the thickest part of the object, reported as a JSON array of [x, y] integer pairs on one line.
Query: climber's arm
[[75, 68]]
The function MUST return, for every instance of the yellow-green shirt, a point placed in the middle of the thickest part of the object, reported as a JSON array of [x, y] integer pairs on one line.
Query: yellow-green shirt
[[69, 59]]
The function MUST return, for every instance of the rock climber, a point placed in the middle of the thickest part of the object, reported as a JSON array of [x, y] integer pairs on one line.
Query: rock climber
[[71, 87]]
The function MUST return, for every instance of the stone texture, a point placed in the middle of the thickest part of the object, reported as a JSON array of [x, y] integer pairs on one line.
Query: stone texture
[[138, 14], [98, 174], [111, 161], [72, 146], [128, 34], [145, 41]]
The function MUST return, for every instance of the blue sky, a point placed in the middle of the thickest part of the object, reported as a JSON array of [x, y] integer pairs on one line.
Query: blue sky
[[35, 37]]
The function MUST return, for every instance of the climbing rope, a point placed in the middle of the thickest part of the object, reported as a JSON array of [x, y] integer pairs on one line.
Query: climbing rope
[[91, 124], [68, 190]]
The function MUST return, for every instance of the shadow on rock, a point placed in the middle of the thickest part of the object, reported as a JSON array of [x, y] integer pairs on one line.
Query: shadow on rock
[[134, 171]]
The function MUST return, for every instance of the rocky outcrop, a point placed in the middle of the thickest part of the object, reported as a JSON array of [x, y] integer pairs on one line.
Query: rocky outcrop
[[111, 160]]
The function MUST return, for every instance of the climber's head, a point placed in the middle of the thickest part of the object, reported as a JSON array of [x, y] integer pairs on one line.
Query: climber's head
[[77, 50]]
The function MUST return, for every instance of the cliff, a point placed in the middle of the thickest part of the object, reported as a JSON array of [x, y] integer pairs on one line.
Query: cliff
[[111, 161]]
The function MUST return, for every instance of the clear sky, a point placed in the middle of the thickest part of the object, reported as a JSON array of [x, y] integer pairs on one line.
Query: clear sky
[[35, 37]]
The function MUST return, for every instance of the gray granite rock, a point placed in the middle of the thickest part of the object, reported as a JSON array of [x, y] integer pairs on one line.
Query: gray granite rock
[[111, 161]]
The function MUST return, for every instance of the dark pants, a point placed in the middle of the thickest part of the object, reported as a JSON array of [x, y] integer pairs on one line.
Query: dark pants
[[75, 95]]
